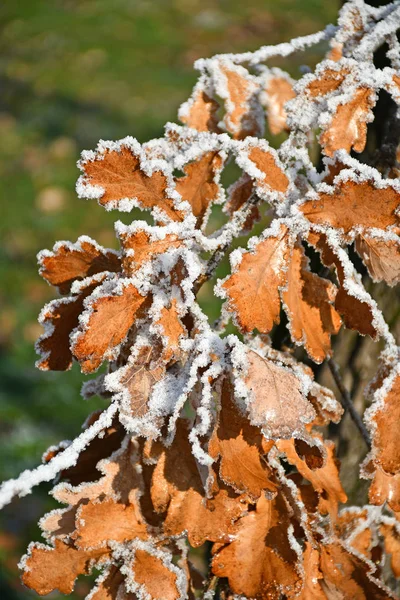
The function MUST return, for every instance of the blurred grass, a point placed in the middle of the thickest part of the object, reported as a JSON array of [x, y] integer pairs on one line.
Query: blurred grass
[[72, 72]]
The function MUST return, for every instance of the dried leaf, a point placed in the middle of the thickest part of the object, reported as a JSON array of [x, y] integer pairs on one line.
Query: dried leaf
[[381, 256], [108, 319], [177, 489], [48, 569], [348, 127], [239, 193], [199, 186], [240, 448], [278, 91], [201, 114], [243, 116], [159, 581], [391, 536], [260, 563], [325, 83], [253, 289], [60, 317], [274, 178], [119, 174], [277, 404], [308, 303], [172, 330], [139, 248], [69, 262], [107, 520], [354, 204]]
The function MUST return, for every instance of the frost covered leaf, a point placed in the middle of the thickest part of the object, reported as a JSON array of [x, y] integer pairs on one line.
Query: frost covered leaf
[[139, 247], [273, 176], [200, 112], [278, 90], [69, 262], [119, 176], [259, 562], [107, 318], [136, 380], [253, 288], [353, 578], [329, 80], [354, 204], [178, 490], [60, 317], [243, 112], [158, 580], [381, 255], [386, 450], [103, 521], [276, 403], [348, 127], [110, 585], [308, 302], [239, 193], [48, 569], [322, 474], [172, 330], [357, 313], [199, 186], [240, 448], [327, 408]]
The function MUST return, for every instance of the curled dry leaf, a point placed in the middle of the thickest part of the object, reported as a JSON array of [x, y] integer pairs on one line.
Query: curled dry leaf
[[199, 186], [348, 127], [240, 447], [69, 262], [139, 248], [274, 178], [60, 318], [119, 175], [158, 580], [381, 256], [243, 112], [178, 490], [276, 403], [278, 90], [172, 330], [326, 82], [200, 112], [260, 563], [308, 300], [239, 193]]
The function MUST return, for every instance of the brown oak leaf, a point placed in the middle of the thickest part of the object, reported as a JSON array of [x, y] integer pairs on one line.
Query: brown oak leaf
[[260, 563], [60, 317], [159, 581], [69, 262], [119, 174], [243, 116], [240, 448], [172, 330], [109, 318], [48, 568], [199, 185], [277, 92], [308, 301], [276, 402], [381, 256], [200, 114], [348, 127], [326, 82], [274, 178], [354, 204], [139, 247], [177, 489], [253, 289]]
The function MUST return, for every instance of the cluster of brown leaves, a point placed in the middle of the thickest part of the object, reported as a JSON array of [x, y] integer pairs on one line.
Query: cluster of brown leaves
[[217, 443]]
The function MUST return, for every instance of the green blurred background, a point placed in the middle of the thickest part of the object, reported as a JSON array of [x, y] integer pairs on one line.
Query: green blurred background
[[72, 72]]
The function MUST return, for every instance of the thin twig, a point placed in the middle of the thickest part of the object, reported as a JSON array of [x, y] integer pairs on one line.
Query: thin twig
[[347, 401], [210, 587]]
